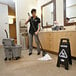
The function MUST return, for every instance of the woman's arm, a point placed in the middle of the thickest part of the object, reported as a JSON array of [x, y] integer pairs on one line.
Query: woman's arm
[[27, 21], [38, 29]]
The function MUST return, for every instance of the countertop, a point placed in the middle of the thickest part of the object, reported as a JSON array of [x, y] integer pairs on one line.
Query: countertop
[[58, 31]]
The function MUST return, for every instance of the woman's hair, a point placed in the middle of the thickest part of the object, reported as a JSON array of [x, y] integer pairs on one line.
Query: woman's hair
[[33, 10]]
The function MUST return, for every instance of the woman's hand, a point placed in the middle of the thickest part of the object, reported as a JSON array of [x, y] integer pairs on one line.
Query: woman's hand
[[36, 32]]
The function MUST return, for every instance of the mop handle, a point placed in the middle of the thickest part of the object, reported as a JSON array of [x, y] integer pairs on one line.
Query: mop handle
[[6, 33], [29, 14]]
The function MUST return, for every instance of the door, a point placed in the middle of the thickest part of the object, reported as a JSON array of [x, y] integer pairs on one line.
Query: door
[[12, 31]]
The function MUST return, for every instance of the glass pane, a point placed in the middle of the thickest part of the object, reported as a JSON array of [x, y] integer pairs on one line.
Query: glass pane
[[48, 15], [71, 10]]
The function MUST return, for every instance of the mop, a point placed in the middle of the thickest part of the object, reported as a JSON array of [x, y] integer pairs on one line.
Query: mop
[[45, 58]]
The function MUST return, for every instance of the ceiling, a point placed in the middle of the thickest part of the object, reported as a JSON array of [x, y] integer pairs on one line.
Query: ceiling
[[9, 2]]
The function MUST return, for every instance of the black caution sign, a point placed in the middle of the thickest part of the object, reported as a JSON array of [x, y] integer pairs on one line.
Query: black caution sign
[[64, 56]]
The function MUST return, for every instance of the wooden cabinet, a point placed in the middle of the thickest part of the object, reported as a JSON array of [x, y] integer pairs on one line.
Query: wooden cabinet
[[44, 39], [73, 43], [51, 40]]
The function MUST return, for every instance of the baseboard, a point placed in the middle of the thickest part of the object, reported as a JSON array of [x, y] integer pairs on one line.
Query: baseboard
[[55, 53], [74, 58]]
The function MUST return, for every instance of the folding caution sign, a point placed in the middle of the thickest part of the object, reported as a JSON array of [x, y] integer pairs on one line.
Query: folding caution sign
[[64, 56]]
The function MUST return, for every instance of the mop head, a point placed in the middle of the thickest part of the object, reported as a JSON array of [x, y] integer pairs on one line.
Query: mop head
[[45, 58]]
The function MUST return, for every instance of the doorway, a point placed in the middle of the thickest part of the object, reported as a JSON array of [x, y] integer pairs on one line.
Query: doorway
[[12, 31]]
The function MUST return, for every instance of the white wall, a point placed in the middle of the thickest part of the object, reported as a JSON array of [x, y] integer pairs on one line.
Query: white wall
[[22, 8], [60, 12], [3, 21]]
